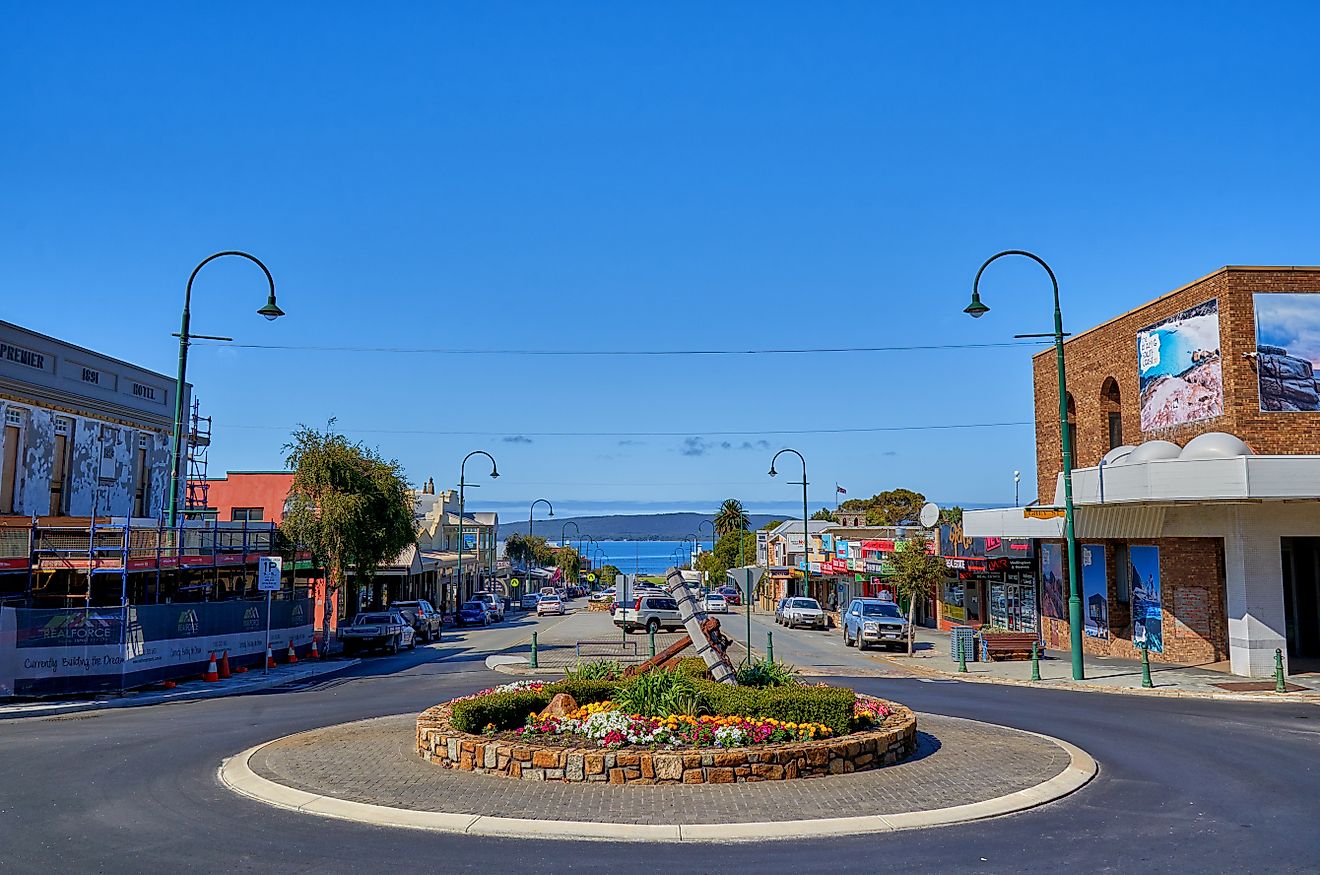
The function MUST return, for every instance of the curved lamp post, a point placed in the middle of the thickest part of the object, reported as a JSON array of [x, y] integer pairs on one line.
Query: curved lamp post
[[712, 532], [462, 489], [271, 311], [806, 535], [562, 538], [976, 310], [547, 503]]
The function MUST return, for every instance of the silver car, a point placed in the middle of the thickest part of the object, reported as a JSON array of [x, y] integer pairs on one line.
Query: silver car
[[874, 621], [803, 611]]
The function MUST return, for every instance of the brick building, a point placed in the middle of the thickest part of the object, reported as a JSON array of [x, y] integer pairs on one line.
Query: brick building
[[1196, 475]]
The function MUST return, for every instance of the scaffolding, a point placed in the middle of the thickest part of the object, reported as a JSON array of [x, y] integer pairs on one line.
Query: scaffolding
[[198, 443]]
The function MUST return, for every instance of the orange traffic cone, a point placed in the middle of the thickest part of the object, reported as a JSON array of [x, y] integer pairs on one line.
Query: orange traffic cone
[[315, 654], [291, 657], [270, 659], [212, 674], [224, 666]]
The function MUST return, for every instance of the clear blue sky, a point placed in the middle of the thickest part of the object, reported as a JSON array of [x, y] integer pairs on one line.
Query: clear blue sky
[[624, 176]]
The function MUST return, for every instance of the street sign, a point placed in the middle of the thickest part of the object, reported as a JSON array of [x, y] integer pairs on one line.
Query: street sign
[[269, 569], [515, 582], [591, 578]]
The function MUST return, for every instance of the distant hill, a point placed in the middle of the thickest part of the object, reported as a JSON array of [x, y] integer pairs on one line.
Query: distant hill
[[628, 527]]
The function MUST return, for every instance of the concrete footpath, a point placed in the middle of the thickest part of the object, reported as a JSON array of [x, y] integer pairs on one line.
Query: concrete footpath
[[1105, 675], [248, 682]]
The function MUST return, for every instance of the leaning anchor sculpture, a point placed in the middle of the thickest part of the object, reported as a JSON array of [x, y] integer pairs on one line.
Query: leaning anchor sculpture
[[703, 633]]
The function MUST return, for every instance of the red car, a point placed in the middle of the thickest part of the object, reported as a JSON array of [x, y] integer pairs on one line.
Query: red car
[[730, 594]]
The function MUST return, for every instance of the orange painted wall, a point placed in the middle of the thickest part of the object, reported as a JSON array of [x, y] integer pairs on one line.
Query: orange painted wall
[[263, 489]]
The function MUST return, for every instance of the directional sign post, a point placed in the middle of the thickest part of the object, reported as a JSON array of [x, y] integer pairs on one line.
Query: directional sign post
[[269, 569]]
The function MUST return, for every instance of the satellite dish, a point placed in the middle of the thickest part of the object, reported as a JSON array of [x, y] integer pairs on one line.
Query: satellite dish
[[930, 514]]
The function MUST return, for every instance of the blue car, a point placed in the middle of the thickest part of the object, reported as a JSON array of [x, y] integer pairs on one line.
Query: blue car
[[473, 613], [874, 621]]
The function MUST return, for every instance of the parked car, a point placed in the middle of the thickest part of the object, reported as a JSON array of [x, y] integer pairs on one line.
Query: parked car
[[528, 601], [649, 612], [715, 604], [426, 620], [604, 595], [802, 611], [473, 613], [377, 629], [550, 604], [496, 604], [779, 611], [731, 595], [874, 621]]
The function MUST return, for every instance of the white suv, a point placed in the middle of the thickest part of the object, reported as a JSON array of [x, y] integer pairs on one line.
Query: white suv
[[495, 602], [649, 612]]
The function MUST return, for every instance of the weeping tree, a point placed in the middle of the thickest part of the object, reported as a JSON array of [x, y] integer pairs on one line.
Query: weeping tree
[[348, 505], [918, 573], [568, 559]]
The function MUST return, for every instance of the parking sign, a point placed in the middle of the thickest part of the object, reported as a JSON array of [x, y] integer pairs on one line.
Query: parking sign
[[269, 569]]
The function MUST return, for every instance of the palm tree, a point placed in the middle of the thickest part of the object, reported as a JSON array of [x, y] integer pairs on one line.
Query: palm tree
[[731, 518]]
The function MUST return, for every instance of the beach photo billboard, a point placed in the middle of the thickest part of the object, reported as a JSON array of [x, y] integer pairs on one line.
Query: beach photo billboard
[[1178, 361]]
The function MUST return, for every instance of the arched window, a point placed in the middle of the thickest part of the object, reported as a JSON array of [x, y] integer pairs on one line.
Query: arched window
[[1111, 408]]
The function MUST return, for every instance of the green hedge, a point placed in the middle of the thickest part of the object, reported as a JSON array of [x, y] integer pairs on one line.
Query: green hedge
[[505, 710], [693, 667], [832, 706]]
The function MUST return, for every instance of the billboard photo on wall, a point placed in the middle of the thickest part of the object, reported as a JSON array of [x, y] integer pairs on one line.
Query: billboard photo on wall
[[1181, 378], [1051, 581], [1095, 591], [1288, 351], [1147, 613]]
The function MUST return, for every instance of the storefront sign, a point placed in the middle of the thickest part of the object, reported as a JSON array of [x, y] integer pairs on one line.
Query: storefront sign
[[20, 356], [1043, 513], [1095, 590], [1147, 612]]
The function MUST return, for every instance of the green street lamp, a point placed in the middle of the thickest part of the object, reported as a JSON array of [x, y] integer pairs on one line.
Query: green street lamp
[[712, 532], [563, 542], [976, 310], [530, 523], [462, 493], [806, 533], [271, 311]]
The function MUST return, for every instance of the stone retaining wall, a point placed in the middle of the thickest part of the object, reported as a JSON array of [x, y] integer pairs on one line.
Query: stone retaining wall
[[892, 742]]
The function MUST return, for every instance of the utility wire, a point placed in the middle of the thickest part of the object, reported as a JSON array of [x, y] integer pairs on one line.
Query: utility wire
[[423, 350], [757, 433]]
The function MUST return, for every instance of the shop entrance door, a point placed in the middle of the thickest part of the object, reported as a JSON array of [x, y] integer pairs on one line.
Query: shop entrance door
[[1301, 597], [1013, 606]]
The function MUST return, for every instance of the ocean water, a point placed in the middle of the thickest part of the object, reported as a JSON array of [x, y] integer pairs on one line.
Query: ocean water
[[643, 557]]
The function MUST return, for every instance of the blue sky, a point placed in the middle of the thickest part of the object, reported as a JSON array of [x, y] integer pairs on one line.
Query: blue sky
[[640, 177]]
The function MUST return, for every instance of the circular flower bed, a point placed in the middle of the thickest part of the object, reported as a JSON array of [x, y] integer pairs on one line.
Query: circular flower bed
[[600, 742]]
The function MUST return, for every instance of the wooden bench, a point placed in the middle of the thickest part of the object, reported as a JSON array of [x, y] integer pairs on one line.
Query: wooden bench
[[1007, 645]]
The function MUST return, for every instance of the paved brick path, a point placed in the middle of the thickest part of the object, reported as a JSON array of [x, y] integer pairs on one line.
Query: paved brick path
[[958, 761]]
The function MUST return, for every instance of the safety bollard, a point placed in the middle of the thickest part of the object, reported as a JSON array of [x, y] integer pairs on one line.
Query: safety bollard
[[962, 657], [770, 646], [534, 662], [1035, 660], [1145, 668], [1279, 686], [651, 633]]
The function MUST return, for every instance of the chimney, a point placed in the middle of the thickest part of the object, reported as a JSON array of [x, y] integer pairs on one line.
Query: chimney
[[429, 488]]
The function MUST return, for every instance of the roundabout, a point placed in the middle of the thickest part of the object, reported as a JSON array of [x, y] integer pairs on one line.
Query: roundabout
[[369, 772]]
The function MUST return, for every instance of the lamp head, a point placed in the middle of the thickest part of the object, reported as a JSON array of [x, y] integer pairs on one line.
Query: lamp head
[[773, 472], [272, 310], [494, 473], [976, 309]]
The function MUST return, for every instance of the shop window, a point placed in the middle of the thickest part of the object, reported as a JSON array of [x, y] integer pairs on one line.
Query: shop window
[[1122, 575], [247, 514]]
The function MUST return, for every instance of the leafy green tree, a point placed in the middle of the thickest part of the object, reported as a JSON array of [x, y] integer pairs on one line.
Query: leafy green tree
[[771, 526], [888, 508], [951, 516], [607, 574], [529, 549], [348, 505], [567, 558], [717, 562], [731, 518], [824, 514], [918, 574]]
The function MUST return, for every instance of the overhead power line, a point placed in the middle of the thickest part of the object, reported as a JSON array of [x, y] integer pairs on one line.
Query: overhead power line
[[426, 350], [756, 433]]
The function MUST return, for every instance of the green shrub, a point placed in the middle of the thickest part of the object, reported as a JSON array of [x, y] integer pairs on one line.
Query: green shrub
[[661, 693], [601, 670], [694, 667], [764, 673], [832, 706], [584, 692], [504, 710]]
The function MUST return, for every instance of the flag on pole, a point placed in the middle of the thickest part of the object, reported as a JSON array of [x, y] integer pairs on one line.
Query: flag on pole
[[840, 490]]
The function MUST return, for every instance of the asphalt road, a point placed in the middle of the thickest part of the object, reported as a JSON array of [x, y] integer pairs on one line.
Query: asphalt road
[[1184, 785]]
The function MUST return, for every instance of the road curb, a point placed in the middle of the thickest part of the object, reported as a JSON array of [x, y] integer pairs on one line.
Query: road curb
[[1073, 686], [142, 700], [236, 774]]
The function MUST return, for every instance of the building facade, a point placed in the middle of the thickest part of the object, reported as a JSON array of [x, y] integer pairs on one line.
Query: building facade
[[83, 434], [1196, 476]]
